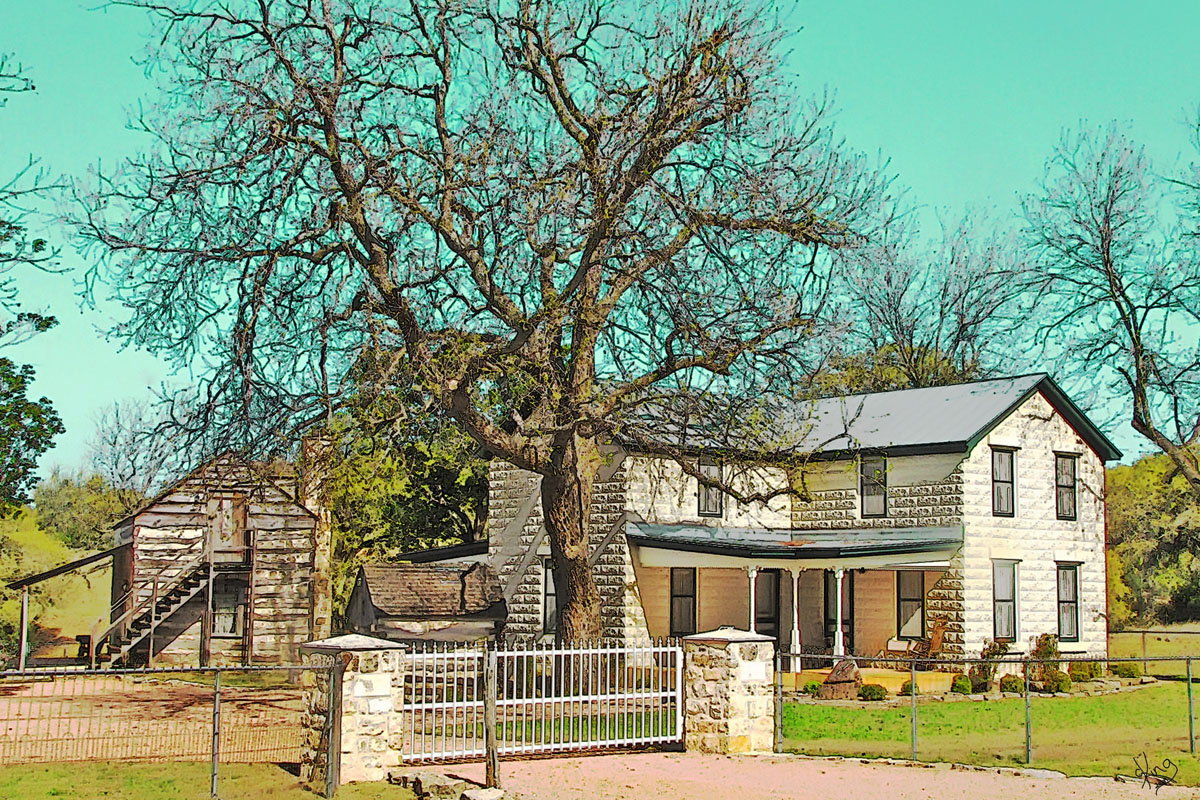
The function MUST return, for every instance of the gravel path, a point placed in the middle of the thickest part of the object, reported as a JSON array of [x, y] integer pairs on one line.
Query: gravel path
[[674, 776]]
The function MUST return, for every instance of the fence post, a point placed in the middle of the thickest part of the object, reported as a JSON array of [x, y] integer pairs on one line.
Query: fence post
[[23, 647], [1028, 720], [216, 732], [912, 691], [492, 777], [1145, 663], [333, 724], [778, 738], [1191, 712], [153, 622]]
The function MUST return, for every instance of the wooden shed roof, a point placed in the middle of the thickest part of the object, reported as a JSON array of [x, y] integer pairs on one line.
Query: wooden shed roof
[[440, 591]]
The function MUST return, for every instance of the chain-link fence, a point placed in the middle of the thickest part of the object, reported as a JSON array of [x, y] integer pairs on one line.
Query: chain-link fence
[[1078, 715], [218, 715]]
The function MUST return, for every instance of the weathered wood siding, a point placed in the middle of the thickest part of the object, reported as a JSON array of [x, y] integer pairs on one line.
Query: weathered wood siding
[[171, 533]]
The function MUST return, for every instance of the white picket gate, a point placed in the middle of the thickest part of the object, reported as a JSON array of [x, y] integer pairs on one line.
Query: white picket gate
[[565, 699]]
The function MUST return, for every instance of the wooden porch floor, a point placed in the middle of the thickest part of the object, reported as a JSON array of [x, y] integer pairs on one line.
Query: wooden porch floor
[[890, 679]]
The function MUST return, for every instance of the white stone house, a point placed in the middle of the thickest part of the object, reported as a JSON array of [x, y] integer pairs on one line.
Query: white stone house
[[977, 507]]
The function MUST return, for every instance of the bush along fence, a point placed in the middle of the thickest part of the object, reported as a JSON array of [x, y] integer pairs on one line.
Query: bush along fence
[[1101, 710], [214, 714]]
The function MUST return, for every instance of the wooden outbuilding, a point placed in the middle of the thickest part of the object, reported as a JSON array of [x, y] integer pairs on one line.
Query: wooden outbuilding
[[440, 602]]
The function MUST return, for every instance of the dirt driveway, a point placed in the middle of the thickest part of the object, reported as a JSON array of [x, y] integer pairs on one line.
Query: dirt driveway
[[672, 776]]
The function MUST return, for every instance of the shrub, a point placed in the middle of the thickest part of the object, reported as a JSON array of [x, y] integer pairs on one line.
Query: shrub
[[906, 689], [1044, 655], [1083, 670], [1126, 669], [1055, 680], [961, 685], [871, 691], [983, 674], [1012, 683], [811, 688]]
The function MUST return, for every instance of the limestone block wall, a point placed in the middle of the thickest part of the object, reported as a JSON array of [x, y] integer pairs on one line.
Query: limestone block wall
[[922, 491], [1033, 536], [518, 548], [660, 492]]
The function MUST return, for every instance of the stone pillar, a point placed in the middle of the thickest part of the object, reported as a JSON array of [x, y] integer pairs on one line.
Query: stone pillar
[[368, 729], [729, 704]]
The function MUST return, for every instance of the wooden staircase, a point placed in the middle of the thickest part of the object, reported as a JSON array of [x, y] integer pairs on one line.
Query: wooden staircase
[[131, 635]]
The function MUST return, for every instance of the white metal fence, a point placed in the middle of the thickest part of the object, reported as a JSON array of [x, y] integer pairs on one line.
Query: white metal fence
[[562, 699]]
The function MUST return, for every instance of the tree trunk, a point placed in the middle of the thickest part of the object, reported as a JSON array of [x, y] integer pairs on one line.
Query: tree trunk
[[566, 505]]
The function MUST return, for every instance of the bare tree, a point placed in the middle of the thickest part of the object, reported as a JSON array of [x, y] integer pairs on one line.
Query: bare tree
[[137, 450], [573, 224], [1117, 284], [929, 316]]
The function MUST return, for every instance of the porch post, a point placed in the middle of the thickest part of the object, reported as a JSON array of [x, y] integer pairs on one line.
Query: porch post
[[753, 573], [839, 639], [795, 642]]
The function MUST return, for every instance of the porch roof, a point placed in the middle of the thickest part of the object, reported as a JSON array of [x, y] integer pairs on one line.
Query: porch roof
[[776, 543]]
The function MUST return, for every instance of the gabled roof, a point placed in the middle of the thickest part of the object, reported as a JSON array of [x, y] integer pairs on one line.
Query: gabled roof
[[940, 419], [225, 460], [783, 543], [420, 591]]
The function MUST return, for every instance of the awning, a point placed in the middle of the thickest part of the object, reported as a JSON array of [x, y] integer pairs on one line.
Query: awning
[[776, 544], [61, 569]]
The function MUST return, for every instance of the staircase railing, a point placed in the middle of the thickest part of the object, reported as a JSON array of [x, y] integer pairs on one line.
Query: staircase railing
[[151, 601]]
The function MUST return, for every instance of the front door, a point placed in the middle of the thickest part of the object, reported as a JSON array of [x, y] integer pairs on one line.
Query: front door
[[766, 603], [227, 535]]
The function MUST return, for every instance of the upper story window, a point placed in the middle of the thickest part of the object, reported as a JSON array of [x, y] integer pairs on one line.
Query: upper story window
[[1064, 485], [710, 500], [872, 483], [1004, 487], [549, 599]]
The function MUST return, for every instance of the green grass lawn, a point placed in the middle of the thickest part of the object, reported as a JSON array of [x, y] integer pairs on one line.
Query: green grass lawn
[[1079, 736], [1181, 639], [174, 781], [70, 604]]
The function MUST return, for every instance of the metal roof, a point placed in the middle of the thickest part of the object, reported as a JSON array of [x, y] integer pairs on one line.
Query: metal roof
[[786, 543], [939, 419]]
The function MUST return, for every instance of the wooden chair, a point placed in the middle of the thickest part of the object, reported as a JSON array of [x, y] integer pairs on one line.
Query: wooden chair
[[931, 647]]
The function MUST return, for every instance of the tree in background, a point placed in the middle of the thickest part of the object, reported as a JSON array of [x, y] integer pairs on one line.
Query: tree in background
[[1115, 285], [27, 426], [1154, 539], [917, 317], [79, 509], [398, 479], [562, 225], [137, 451]]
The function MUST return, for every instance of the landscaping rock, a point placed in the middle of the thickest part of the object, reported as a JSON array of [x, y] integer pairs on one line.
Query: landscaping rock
[[1062, 694], [483, 794], [842, 683], [430, 785], [1011, 695], [1148, 679]]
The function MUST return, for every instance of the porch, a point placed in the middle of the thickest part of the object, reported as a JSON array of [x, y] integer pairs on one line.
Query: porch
[[855, 593]]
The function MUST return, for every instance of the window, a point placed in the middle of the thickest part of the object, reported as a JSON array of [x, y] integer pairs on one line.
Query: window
[[710, 498], [910, 604], [872, 482], [683, 601], [1003, 485], [1068, 602], [1064, 485], [1004, 600], [549, 599], [229, 608]]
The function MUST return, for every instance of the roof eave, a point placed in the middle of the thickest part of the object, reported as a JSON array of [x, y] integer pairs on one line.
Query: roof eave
[[797, 554]]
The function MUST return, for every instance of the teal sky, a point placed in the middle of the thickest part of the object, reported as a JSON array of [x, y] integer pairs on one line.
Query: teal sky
[[965, 99]]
